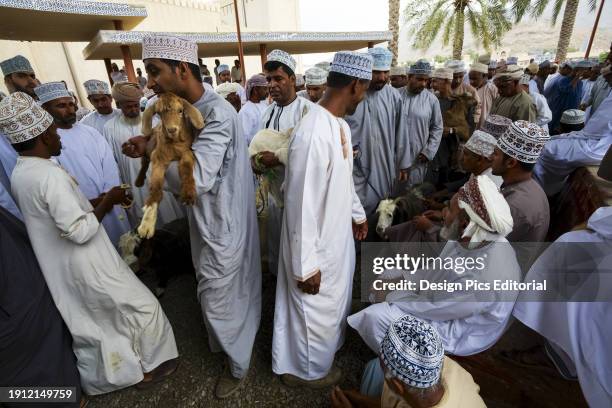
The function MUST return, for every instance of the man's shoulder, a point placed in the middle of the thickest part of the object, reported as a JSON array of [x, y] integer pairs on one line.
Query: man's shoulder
[[214, 108], [88, 117]]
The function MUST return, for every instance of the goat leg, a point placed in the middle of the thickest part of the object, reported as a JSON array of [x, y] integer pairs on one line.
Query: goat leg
[[149, 219], [188, 190]]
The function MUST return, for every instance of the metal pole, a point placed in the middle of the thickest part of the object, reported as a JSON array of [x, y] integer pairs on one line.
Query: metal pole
[[588, 50], [240, 51]]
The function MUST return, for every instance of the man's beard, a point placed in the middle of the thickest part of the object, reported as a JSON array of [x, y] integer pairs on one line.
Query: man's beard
[[450, 233], [377, 86], [30, 92], [68, 121]]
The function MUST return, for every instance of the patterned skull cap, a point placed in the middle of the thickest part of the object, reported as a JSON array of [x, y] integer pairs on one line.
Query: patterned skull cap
[[481, 143], [169, 47], [382, 58], [316, 76], [421, 67], [51, 90], [572, 117], [443, 73], [96, 87], [282, 57], [299, 80], [523, 141], [353, 64], [223, 68], [496, 125], [18, 63], [412, 351], [21, 118]]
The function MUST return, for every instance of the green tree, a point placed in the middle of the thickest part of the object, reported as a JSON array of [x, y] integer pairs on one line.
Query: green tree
[[488, 20], [537, 8]]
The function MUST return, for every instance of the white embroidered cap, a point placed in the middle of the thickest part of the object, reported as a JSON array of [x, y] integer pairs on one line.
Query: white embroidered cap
[[354, 64], [96, 87], [50, 91], [169, 47], [316, 76], [282, 57], [21, 118]]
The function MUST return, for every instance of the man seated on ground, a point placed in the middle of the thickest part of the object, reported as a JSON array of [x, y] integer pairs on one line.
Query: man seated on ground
[[412, 371], [515, 155], [577, 333], [399, 79], [121, 335], [476, 160], [566, 152], [468, 322]]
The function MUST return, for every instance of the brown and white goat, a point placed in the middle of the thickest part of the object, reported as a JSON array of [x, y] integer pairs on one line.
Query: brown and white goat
[[169, 141]]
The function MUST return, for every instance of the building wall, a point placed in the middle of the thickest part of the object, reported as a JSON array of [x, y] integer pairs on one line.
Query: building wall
[[52, 61]]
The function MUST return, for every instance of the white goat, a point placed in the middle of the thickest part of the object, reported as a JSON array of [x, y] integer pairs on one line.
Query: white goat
[[269, 140]]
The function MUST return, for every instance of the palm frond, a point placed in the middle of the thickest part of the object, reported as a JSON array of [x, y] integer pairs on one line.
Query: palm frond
[[557, 10], [520, 8], [426, 34], [538, 8], [592, 5]]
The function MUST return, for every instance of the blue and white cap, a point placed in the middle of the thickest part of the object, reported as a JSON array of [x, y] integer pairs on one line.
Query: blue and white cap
[[50, 91], [96, 87], [169, 47], [282, 57], [382, 58], [18, 63], [421, 67], [512, 61], [222, 68], [354, 64], [412, 351]]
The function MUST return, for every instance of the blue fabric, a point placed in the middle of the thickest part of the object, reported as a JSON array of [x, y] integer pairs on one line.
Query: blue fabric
[[561, 96], [373, 379], [8, 159]]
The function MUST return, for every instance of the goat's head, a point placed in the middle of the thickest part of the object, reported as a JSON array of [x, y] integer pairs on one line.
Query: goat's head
[[385, 211], [175, 114]]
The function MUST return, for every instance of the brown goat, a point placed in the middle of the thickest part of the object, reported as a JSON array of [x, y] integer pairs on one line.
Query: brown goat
[[169, 141]]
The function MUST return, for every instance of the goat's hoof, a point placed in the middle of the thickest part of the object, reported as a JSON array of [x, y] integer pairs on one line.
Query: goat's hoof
[[149, 219], [188, 197]]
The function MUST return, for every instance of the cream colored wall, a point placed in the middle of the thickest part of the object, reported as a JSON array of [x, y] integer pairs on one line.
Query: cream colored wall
[[50, 60]]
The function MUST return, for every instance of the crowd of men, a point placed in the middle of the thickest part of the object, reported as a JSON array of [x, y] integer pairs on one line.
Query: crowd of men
[[496, 141]]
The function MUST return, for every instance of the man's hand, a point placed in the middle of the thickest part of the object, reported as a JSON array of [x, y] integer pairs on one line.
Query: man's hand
[[268, 159], [421, 158], [360, 231], [404, 175], [135, 147], [433, 215], [311, 285], [117, 195], [339, 400], [422, 223]]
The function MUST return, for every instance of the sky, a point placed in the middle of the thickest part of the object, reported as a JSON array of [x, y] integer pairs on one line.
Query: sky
[[372, 15]]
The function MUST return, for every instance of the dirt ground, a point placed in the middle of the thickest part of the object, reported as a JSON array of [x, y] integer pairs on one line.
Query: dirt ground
[[502, 385]]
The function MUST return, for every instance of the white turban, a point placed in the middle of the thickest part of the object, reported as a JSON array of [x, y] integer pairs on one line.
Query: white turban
[[487, 208], [227, 88]]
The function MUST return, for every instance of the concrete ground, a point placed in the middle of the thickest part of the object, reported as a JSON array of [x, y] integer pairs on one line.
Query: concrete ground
[[502, 384]]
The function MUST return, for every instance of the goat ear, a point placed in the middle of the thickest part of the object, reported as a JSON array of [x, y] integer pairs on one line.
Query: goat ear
[[194, 115], [147, 119]]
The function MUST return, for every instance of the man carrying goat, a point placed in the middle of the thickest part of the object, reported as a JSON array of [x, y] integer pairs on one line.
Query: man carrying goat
[[222, 223]]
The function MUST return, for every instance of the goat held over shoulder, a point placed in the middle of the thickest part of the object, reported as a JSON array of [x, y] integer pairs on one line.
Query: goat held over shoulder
[[169, 141]]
